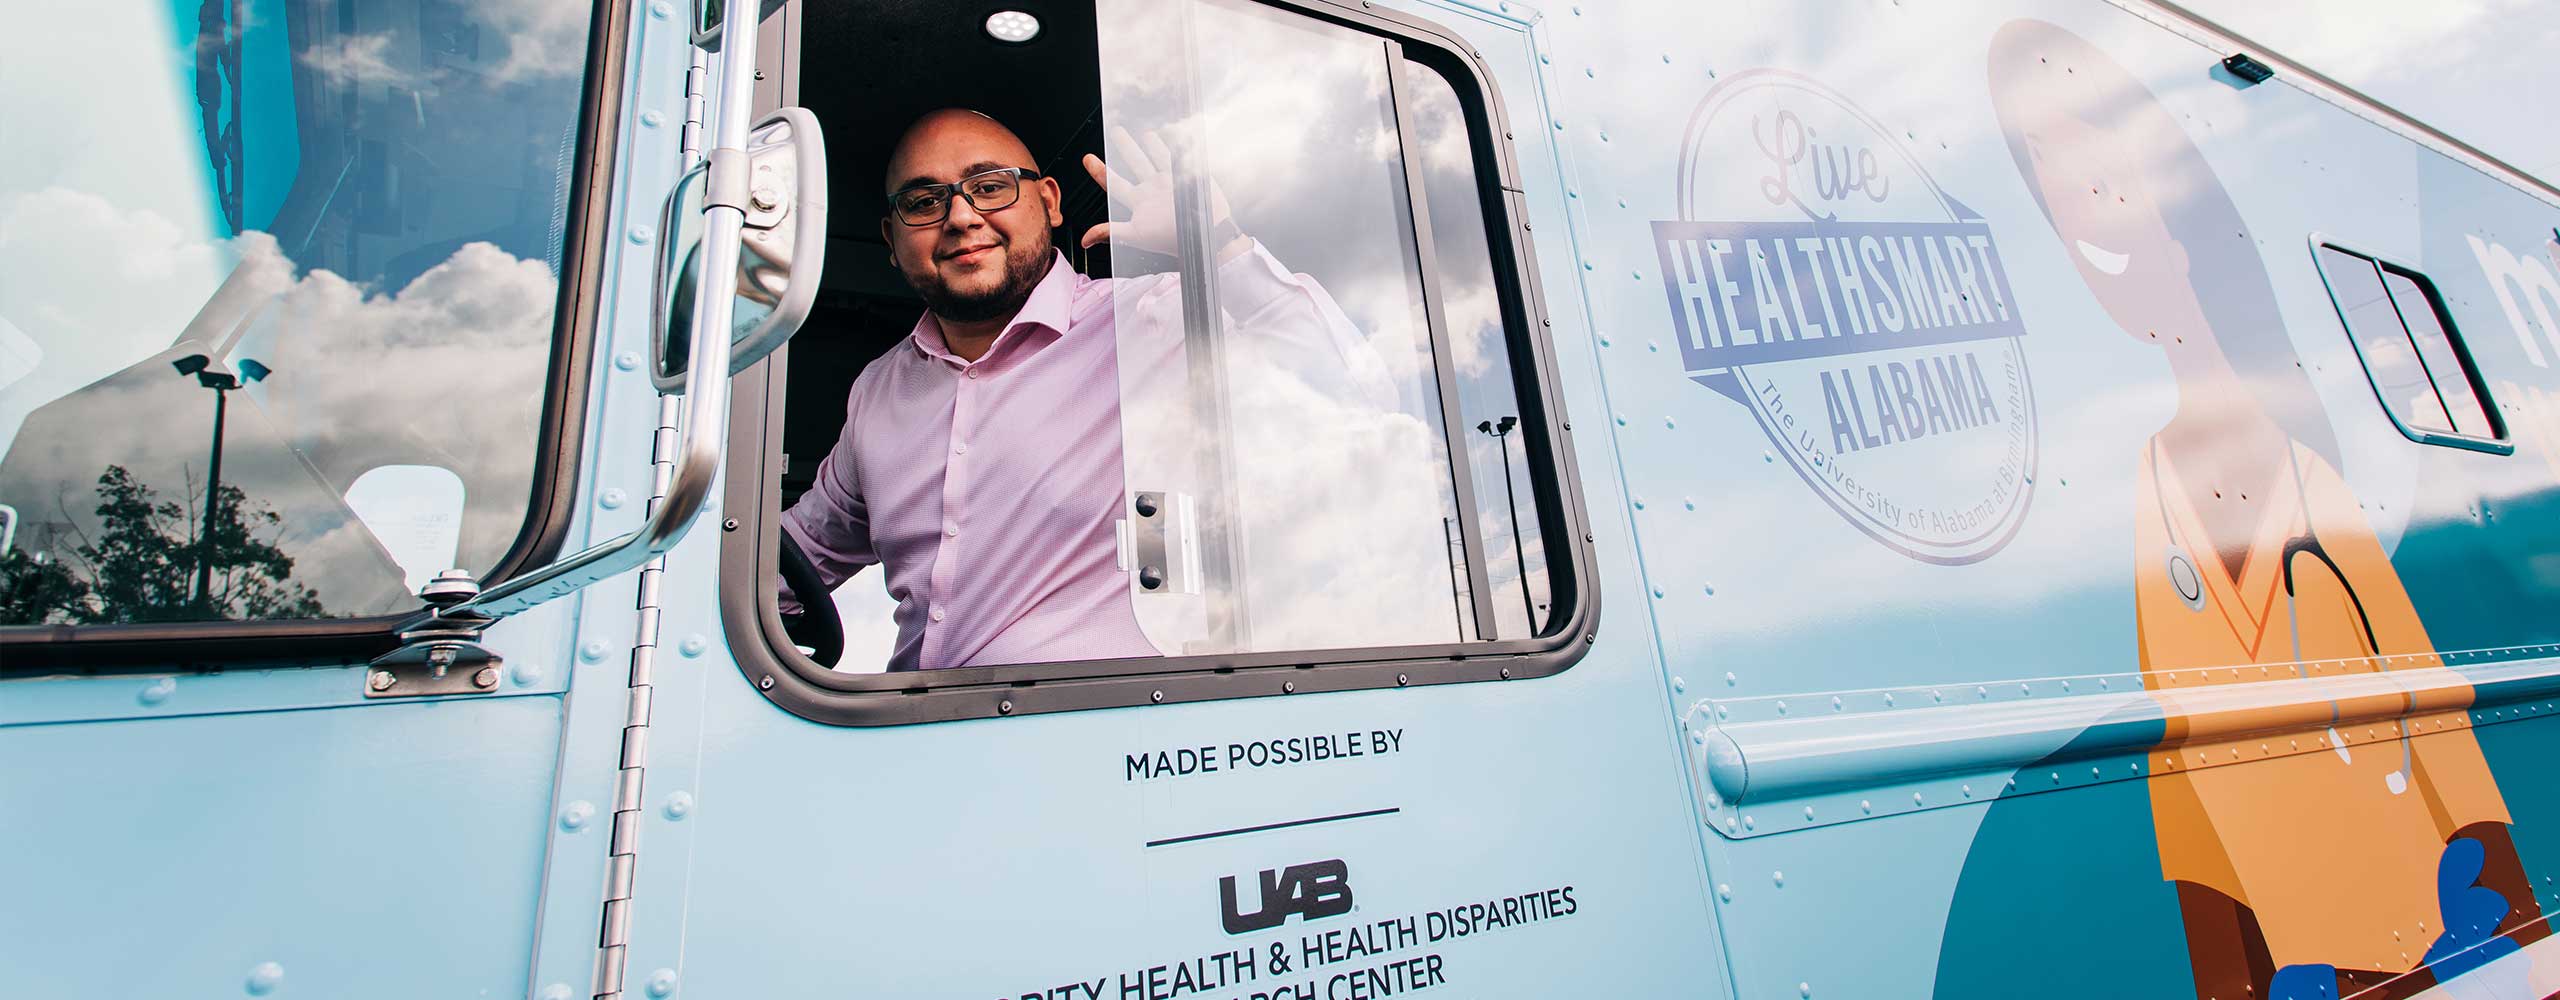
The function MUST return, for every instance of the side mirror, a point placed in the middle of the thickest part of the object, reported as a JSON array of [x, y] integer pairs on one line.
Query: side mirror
[[782, 251]]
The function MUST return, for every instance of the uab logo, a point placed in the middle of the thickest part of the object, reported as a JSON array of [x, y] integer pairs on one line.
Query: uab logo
[[1314, 890]]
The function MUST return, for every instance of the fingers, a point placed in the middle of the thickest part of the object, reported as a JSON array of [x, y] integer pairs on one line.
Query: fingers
[[1095, 235], [1141, 169], [1156, 150], [1112, 183]]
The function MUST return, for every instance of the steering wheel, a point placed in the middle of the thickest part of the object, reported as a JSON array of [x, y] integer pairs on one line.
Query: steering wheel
[[818, 626]]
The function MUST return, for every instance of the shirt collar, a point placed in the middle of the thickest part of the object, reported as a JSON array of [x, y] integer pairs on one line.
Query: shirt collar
[[1048, 307]]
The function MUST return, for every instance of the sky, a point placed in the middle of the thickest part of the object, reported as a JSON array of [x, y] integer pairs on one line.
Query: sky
[[2480, 70]]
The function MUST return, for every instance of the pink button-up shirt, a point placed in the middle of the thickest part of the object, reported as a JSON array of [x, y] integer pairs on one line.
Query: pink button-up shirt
[[991, 488]]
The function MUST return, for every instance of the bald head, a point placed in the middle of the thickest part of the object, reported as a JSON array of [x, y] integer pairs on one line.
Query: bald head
[[952, 143], [976, 265]]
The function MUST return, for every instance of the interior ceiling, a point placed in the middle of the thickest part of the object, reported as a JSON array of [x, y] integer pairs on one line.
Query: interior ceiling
[[869, 68]]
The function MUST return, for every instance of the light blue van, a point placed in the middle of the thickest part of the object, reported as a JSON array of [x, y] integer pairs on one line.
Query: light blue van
[[2034, 498]]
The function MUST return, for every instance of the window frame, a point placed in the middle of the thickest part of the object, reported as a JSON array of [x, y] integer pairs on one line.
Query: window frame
[[558, 443], [801, 686], [2502, 442]]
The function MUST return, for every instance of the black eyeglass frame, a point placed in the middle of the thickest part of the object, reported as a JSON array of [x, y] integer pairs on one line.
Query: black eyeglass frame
[[955, 189]]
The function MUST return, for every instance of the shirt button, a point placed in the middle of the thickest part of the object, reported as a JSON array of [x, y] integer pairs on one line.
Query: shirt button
[[937, 614], [960, 449], [950, 531], [973, 373]]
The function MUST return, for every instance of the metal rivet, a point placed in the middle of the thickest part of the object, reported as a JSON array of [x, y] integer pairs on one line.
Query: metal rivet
[[662, 10], [576, 814], [1778, 878], [1749, 823], [729, 524], [1724, 891], [1004, 707], [1808, 814], [1866, 807], [1157, 697], [381, 680], [1678, 685], [1802, 989], [642, 234], [679, 805], [1700, 739], [662, 983], [1506, 673], [611, 498], [159, 691], [525, 674], [486, 679], [652, 119], [627, 360], [592, 651], [766, 684], [1401, 681], [265, 978], [1288, 687], [693, 645]]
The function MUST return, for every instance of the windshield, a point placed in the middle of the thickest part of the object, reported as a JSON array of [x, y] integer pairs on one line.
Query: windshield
[[276, 293]]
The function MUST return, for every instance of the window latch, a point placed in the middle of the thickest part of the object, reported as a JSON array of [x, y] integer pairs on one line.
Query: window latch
[[440, 654]]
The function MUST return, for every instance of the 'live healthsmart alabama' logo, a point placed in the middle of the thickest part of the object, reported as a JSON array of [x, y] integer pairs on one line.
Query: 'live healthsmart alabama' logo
[[1819, 278]]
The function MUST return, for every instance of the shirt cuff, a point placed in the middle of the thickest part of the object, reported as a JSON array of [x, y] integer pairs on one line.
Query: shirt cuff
[[1254, 281]]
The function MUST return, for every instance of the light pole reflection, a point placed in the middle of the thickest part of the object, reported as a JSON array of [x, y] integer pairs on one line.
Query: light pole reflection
[[214, 377], [1500, 430]]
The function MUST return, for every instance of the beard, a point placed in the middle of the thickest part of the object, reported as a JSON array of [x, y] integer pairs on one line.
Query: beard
[[1024, 266]]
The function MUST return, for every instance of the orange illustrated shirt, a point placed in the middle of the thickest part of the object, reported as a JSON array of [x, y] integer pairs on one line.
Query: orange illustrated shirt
[[2329, 832]]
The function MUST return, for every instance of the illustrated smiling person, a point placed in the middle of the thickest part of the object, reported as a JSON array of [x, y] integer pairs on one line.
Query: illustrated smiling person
[[2305, 874]]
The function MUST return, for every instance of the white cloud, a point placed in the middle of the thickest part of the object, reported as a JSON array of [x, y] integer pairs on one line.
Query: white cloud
[[363, 59], [545, 38], [447, 371]]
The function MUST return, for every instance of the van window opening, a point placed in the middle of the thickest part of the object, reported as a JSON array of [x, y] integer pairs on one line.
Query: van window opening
[[1321, 510], [2410, 350]]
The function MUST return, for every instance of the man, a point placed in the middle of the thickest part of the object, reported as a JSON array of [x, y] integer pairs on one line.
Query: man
[[980, 460]]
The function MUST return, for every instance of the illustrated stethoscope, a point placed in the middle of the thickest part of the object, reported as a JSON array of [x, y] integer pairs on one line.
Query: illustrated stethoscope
[[2187, 580]]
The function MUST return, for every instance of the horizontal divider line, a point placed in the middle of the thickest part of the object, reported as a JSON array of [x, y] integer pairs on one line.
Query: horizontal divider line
[[1274, 826]]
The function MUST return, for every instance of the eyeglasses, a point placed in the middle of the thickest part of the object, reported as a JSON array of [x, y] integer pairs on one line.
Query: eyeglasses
[[992, 191]]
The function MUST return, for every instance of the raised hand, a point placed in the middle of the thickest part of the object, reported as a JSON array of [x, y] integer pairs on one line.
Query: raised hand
[[1146, 189]]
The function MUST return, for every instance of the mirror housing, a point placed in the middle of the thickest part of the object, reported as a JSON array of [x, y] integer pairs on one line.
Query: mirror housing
[[782, 251]]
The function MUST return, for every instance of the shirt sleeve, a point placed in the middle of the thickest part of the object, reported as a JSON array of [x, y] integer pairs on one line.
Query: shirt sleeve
[[1297, 324], [830, 521]]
